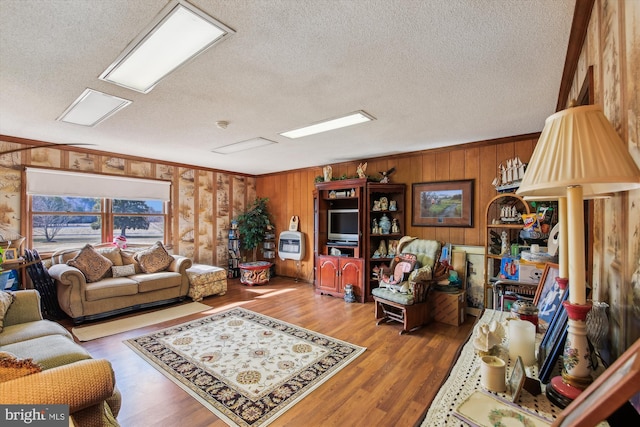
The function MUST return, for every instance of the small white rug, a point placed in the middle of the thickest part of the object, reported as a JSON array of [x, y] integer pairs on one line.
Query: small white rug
[[100, 330]]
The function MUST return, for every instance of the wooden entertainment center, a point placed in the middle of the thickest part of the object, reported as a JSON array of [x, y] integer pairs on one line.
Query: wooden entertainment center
[[352, 261]]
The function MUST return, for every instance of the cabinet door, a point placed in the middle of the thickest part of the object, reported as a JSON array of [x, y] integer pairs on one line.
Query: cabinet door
[[351, 273], [327, 274]]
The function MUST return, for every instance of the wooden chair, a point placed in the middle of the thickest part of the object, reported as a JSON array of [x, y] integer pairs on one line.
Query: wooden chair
[[407, 302]]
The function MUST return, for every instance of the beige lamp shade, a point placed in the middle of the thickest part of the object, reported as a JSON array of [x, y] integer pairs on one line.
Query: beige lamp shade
[[578, 146]]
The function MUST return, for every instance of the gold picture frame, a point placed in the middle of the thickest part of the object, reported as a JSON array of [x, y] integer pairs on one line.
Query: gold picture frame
[[442, 204], [10, 254]]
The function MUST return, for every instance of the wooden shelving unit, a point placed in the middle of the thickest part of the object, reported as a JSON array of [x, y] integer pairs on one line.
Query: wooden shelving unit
[[374, 193], [355, 263], [495, 224], [334, 272]]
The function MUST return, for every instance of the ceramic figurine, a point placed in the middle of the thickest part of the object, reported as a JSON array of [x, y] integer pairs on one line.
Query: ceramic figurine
[[375, 229], [376, 205], [328, 173], [348, 293], [382, 249], [385, 175], [393, 206], [384, 203], [361, 169], [505, 243], [395, 228], [385, 224]]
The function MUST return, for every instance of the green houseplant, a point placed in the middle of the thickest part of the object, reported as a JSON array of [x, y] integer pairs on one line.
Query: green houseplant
[[253, 225]]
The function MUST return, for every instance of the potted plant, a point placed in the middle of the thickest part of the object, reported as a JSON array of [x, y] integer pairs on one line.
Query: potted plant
[[253, 225]]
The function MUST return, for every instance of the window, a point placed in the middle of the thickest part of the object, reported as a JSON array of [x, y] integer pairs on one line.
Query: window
[[144, 221], [59, 222], [69, 209]]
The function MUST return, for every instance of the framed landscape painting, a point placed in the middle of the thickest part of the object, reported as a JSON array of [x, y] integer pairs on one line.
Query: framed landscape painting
[[442, 204]]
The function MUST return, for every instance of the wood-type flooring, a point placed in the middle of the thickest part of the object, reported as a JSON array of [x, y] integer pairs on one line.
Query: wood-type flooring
[[390, 384]]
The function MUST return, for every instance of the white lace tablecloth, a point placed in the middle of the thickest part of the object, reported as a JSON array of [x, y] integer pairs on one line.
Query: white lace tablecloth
[[464, 379]]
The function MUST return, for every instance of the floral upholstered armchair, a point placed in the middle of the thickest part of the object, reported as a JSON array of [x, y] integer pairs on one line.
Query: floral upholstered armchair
[[403, 288]]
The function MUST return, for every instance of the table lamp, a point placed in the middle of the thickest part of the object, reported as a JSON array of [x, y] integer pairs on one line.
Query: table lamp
[[579, 155]]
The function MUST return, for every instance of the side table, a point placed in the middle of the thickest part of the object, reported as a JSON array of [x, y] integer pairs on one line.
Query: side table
[[255, 273], [464, 380]]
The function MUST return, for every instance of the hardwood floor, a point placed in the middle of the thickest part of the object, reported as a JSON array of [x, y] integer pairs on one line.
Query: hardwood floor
[[390, 384]]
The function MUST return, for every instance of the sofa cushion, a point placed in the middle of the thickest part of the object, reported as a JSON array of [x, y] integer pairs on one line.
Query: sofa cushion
[[49, 351], [154, 281], [6, 298], [29, 330], [110, 287], [12, 367], [404, 299], [154, 259], [91, 263], [123, 270], [129, 258]]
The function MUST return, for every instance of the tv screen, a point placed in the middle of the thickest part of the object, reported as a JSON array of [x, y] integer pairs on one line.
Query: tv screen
[[343, 225]]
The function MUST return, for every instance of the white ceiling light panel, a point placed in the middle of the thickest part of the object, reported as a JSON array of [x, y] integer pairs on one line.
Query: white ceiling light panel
[[327, 125], [92, 107], [243, 145], [179, 33]]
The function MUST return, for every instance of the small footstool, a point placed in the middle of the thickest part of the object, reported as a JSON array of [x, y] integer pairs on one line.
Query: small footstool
[[206, 280]]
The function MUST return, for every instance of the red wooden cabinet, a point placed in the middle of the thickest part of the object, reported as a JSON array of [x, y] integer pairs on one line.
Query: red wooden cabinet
[[335, 272]]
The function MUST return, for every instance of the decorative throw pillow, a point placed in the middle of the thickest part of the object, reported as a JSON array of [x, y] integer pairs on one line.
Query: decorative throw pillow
[[91, 263], [123, 270], [112, 254], [11, 367], [423, 274], [129, 258], [6, 298], [154, 259]]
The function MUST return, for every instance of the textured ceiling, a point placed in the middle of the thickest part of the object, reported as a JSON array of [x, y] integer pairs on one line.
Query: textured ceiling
[[432, 72]]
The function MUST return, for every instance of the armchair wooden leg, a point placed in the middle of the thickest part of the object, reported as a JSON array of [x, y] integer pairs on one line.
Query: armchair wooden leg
[[412, 316]]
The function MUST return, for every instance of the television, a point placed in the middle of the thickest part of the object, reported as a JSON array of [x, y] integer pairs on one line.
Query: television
[[343, 226]]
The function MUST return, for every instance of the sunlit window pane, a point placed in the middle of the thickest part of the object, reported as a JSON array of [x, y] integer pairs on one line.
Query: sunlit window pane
[[54, 232], [137, 206], [139, 229], [65, 204]]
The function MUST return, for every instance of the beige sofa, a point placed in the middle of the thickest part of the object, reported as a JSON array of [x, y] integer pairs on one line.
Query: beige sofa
[[59, 372], [115, 281]]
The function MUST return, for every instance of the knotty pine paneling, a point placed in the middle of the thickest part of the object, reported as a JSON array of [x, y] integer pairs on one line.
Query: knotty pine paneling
[[290, 193]]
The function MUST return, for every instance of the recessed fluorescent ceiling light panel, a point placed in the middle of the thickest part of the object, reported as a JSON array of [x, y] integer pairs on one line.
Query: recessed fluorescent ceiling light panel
[[92, 107], [243, 145], [340, 122], [178, 34]]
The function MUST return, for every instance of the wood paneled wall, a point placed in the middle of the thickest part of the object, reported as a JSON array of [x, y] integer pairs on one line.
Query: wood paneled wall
[[290, 193]]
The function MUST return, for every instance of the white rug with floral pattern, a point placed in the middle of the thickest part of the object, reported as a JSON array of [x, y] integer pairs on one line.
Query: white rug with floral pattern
[[245, 367]]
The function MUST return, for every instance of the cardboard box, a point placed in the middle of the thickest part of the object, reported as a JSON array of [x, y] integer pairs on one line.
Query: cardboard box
[[521, 270], [530, 272], [448, 308]]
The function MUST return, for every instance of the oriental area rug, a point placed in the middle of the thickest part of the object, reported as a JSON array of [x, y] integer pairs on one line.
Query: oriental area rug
[[245, 367]]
